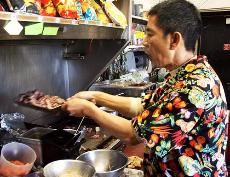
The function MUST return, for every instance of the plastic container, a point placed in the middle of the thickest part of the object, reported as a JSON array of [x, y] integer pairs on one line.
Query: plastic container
[[19, 152]]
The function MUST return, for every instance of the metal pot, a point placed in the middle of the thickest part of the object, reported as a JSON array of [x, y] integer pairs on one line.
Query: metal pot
[[107, 163], [65, 168]]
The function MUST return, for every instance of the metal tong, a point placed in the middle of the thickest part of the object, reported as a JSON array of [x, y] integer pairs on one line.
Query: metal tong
[[82, 134]]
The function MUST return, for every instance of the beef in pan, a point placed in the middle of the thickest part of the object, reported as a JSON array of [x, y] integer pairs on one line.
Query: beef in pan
[[38, 99]]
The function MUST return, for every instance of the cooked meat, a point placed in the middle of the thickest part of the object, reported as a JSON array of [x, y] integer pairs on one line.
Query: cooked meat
[[39, 99]]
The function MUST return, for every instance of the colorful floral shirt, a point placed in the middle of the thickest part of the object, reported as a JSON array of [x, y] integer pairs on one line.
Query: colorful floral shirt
[[184, 123]]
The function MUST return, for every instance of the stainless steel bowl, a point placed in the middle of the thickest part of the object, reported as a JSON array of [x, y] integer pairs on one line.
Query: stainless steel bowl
[[66, 168], [107, 163]]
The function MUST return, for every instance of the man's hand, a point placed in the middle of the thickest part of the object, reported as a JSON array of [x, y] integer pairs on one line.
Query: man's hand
[[77, 107]]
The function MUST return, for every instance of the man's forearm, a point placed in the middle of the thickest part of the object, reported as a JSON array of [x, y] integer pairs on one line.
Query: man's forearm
[[117, 126], [127, 106]]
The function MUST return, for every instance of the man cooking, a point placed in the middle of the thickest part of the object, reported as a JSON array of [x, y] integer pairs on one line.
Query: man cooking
[[184, 121]]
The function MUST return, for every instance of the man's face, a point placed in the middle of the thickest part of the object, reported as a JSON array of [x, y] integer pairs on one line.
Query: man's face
[[157, 45]]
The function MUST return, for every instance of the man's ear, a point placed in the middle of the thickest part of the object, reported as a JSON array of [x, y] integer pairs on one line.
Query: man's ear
[[175, 39]]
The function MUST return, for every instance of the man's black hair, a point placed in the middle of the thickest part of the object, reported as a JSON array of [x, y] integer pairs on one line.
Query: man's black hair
[[179, 16]]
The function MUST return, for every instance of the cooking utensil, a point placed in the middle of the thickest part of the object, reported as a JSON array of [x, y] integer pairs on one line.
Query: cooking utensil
[[107, 163], [82, 135], [80, 124], [77, 134], [68, 167]]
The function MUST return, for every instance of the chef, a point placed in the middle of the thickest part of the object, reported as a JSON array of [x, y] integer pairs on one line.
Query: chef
[[184, 121]]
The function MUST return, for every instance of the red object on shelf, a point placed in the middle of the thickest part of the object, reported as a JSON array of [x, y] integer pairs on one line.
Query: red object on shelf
[[66, 8], [47, 8]]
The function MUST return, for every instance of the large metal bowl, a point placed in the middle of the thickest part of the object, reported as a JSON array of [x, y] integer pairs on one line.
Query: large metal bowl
[[64, 168], [107, 163]]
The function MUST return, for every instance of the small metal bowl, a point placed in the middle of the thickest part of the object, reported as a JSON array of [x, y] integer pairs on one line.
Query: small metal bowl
[[107, 163], [68, 168]]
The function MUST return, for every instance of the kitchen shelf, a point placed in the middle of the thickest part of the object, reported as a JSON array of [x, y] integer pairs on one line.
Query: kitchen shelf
[[139, 20], [67, 28]]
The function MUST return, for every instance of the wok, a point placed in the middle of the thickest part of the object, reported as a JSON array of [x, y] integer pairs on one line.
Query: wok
[[64, 168]]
